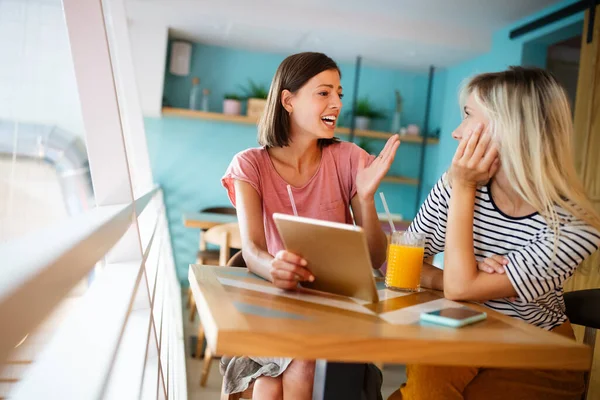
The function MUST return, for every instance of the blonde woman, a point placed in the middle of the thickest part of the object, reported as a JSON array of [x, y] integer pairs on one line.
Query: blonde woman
[[514, 223]]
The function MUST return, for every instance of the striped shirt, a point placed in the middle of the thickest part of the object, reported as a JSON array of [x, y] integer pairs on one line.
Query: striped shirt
[[528, 244]]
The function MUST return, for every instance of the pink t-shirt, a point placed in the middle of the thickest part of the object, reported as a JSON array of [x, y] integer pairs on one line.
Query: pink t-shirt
[[325, 196]]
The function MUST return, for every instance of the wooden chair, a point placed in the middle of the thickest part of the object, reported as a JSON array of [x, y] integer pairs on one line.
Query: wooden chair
[[205, 256], [227, 237], [237, 260]]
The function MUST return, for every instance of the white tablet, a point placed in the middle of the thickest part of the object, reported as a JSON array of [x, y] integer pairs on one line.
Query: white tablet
[[337, 255]]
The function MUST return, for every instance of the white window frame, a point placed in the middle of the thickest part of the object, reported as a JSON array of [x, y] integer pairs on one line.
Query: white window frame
[[124, 339]]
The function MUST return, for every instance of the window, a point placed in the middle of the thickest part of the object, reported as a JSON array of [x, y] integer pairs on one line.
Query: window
[[70, 122]]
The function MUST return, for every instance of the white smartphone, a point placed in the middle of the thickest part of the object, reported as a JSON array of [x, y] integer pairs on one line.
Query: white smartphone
[[453, 317]]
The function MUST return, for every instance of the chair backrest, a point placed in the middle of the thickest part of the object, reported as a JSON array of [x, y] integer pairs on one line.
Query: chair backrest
[[220, 210], [582, 309], [226, 236], [237, 260]]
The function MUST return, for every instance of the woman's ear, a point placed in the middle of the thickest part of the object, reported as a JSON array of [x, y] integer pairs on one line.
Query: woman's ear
[[286, 100]]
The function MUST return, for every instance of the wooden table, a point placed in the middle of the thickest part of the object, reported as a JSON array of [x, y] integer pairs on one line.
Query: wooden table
[[206, 220], [245, 315]]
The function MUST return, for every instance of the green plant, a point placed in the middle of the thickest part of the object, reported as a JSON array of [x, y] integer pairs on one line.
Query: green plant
[[232, 96], [255, 90], [365, 144], [364, 108], [398, 101]]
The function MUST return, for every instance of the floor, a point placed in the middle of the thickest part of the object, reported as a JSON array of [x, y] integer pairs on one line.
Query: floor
[[393, 375]]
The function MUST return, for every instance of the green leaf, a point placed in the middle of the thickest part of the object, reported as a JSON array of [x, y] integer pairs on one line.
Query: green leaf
[[365, 144], [255, 90], [232, 96], [364, 108]]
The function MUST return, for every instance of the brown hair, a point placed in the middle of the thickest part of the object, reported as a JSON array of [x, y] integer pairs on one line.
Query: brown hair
[[292, 74]]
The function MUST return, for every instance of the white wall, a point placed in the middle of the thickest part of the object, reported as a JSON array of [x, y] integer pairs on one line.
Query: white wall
[[37, 80], [149, 51]]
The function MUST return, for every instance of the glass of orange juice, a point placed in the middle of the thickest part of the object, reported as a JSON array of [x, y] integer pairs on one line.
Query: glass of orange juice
[[405, 261]]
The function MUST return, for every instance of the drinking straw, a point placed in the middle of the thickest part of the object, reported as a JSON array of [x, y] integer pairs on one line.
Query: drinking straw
[[289, 189], [387, 211]]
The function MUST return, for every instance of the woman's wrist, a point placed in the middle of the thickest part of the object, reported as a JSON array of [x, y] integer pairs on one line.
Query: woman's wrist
[[464, 185], [367, 201]]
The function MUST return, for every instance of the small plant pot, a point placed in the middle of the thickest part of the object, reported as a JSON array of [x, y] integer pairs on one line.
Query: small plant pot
[[362, 123], [232, 107], [256, 107]]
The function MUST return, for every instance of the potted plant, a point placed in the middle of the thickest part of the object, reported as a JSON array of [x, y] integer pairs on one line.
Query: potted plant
[[397, 113], [364, 113], [232, 104], [366, 144], [256, 94]]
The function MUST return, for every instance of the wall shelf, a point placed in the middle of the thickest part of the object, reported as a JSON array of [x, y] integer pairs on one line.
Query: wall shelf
[[403, 180], [211, 116], [242, 119]]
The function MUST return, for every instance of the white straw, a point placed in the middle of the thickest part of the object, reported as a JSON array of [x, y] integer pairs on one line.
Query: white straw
[[289, 188], [387, 211]]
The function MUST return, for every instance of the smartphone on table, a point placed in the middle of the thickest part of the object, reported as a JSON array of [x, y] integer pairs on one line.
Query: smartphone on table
[[453, 317]]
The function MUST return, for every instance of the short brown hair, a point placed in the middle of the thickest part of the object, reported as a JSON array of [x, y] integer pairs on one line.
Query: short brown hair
[[292, 74]]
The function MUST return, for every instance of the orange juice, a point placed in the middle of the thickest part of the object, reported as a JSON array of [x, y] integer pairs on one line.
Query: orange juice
[[404, 267]]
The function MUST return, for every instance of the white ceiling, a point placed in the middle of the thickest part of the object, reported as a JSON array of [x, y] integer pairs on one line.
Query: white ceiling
[[410, 34]]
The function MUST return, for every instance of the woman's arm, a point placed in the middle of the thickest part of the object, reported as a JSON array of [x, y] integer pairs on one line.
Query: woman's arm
[[365, 216], [472, 163], [286, 269], [432, 277], [363, 203], [462, 278]]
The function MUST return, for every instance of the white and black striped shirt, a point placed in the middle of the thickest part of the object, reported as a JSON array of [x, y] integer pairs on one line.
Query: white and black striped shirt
[[527, 242]]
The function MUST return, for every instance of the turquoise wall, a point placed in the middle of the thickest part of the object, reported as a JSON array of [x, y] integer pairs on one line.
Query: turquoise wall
[[535, 55], [189, 156], [224, 70], [188, 159]]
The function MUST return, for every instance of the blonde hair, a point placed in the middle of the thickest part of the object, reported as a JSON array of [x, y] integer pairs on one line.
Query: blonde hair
[[530, 118]]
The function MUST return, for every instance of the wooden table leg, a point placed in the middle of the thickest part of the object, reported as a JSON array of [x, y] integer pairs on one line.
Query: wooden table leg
[[188, 303], [338, 381], [192, 309], [206, 366], [200, 342]]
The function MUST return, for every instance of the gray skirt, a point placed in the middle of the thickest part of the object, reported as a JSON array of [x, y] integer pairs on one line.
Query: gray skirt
[[239, 372]]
